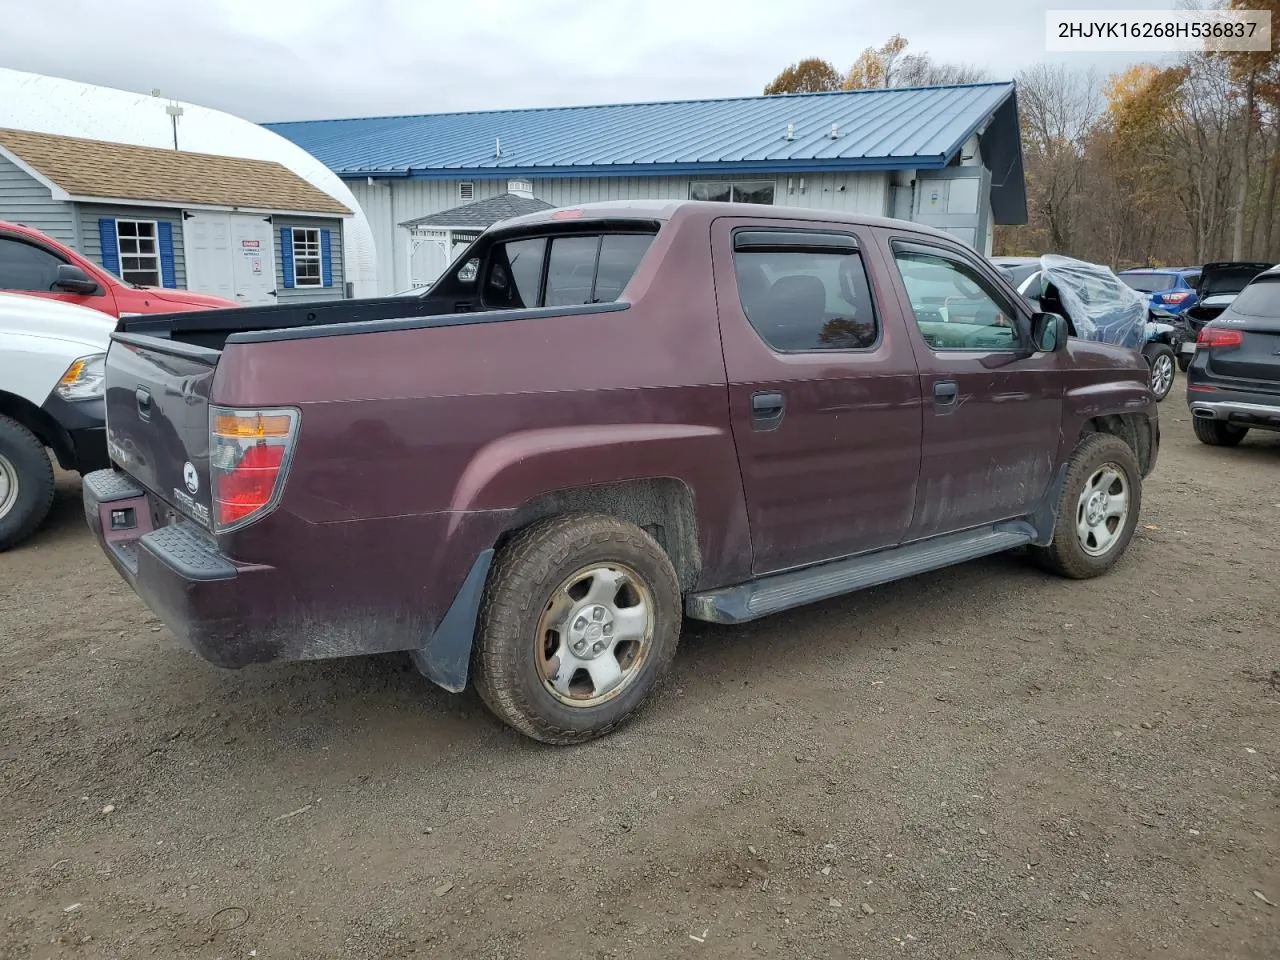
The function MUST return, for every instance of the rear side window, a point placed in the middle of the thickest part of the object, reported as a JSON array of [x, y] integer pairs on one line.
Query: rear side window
[[1259, 299], [802, 300], [24, 266], [1149, 282], [562, 271], [515, 272]]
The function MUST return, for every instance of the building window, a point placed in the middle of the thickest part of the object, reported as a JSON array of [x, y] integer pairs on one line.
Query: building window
[[732, 191], [307, 270], [139, 255], [466, 191]]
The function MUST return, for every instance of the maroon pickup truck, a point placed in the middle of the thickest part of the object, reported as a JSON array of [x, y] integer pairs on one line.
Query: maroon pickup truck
[[597, 421]]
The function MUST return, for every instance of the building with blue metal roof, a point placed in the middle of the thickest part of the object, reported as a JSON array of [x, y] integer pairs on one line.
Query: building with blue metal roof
[[947, 156]]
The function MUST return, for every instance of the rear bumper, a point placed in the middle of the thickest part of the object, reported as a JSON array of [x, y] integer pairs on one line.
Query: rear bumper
[[235, 614], [178, 572], [1244, 409]]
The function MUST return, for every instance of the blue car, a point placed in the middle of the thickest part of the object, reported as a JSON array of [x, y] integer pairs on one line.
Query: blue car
[[1171, 290]]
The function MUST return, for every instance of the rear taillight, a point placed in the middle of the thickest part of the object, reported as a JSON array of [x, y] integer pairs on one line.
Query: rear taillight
[[1211, 337], [249, 452], [1176, 297]]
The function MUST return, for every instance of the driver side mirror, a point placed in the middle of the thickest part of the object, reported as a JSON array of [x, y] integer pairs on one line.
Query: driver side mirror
[[71, 279], [1048, 332]]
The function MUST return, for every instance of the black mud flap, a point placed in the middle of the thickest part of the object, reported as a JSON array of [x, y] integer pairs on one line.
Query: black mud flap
[[446, 656]]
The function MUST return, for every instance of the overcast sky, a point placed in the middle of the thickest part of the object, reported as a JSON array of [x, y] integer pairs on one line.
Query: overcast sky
[[305, 59]]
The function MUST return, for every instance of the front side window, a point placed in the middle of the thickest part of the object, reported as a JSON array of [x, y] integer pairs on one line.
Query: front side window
[[579, 269], [732, 191], [307, 269], [803, 300], [24, 266], [139, 254], [954, 307]]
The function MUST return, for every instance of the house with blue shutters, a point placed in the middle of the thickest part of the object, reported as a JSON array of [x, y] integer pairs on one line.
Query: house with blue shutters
[[948, 156], [246, 229]]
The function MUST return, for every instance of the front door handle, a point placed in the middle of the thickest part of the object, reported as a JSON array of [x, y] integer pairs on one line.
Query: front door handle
[[767, 408], [945, 393]]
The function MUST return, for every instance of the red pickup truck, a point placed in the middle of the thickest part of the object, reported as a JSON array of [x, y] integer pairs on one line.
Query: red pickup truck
[[36, 264], [598, 420]]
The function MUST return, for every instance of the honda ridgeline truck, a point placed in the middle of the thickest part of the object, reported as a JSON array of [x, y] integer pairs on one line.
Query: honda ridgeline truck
[[597, 421]]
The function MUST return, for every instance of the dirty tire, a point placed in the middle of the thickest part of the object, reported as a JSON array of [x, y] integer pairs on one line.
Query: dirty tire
[[524, 576], [1066, 556], [24, 457], [1217, 433]]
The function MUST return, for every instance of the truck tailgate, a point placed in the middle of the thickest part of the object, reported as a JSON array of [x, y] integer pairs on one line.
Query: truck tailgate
[[157, 403]]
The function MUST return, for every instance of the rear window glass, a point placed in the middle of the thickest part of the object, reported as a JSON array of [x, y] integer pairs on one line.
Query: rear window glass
[[1149, 282], [1260, 299], [579, 269], [806, 300]]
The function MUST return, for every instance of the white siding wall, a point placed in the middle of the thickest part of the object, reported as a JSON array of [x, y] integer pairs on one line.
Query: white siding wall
[[388, 203]]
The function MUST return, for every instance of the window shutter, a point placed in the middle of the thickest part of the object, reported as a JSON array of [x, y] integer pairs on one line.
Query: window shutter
[[326, 257], [110, 248], [286, 255], [164, 243]]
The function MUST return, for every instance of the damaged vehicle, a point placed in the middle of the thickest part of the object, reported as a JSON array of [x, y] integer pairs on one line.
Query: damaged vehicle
[[1219, 284], [1100, 306], [598, 421]]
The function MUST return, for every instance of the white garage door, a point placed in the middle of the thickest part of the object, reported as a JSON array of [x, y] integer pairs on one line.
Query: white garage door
[[230, 255]]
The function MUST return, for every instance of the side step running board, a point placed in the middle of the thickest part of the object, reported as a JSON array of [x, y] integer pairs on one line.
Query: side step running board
[[794, 588]]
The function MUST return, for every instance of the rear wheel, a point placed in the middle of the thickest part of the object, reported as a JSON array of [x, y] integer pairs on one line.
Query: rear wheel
[[580, 619], [1217, 433], [26, 483], [1184, 361], [1160, 363], [1098, 509]]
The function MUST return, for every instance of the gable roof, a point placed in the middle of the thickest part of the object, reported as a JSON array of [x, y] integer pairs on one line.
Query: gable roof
[[481, 213], [119, 171]]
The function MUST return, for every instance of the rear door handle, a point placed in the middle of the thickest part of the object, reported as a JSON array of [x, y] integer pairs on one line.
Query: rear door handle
[[945, 393], [143, 396], [767, 408]]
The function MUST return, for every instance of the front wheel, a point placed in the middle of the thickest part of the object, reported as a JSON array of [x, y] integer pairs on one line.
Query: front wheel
[[1160, 363], [580, 619], [26, 483], [1098, 509]]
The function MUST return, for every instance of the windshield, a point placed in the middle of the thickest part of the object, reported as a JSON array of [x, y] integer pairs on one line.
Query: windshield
[[1149, 282], [1018, 272]]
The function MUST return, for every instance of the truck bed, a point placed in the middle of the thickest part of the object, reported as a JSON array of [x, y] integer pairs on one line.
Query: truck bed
[[211, 328]]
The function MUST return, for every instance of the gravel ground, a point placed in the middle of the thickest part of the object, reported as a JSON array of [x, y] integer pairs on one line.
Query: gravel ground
[[984, 762]]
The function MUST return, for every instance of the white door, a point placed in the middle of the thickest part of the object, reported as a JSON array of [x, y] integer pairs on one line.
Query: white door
[[428, 256], [206, 242], [253, 261], [230, 255]]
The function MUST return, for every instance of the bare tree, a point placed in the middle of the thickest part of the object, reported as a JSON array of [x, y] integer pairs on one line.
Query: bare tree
[[1058, 109]]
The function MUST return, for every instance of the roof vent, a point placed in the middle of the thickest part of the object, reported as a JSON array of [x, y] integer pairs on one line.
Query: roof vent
[[497, 146], [835, 131], [466, 190], [791, 131], [521, 188]]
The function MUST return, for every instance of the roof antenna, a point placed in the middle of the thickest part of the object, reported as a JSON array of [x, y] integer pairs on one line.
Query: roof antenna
[[791, 131], [497, 146]]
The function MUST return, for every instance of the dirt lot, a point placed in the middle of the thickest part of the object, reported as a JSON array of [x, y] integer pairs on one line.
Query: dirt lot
[[981, 763]]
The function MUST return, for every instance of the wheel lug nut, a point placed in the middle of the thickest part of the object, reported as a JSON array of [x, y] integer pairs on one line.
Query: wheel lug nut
[[597, 648], [608, 629], [579, 646], [597, 613], [580, 623]]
